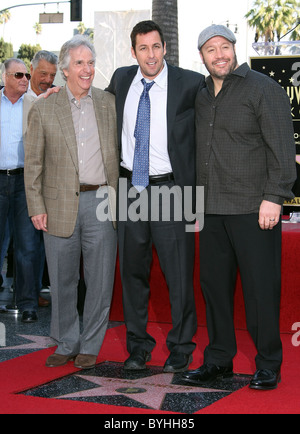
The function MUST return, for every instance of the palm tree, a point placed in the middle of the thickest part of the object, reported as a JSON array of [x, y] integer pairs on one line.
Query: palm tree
[[38, 30], [272, 19], [81, 29], [165, 14], [4, 18]]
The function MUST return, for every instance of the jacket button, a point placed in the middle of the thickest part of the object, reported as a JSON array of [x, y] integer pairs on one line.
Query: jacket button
[[77, 194]]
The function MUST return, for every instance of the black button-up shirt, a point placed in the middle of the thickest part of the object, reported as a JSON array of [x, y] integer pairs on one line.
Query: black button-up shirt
[[245, 143]]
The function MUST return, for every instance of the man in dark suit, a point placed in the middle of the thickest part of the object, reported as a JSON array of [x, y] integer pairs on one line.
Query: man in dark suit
[[171, 163]]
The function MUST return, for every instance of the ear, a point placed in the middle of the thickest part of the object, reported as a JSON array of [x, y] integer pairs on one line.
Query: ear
[[165, 49], [201, 55], [133, 53]]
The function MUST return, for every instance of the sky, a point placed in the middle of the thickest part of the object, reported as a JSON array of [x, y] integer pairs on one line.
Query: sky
[[194, 16]]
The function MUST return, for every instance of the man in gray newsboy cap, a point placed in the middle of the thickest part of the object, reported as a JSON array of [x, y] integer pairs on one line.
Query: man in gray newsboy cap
[[246, 164], [215, 30]]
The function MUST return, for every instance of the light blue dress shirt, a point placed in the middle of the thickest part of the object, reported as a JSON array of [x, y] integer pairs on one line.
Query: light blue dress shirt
[[11, 146]]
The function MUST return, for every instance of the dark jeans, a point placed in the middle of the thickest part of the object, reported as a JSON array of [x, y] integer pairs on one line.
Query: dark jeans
[[26, 240]]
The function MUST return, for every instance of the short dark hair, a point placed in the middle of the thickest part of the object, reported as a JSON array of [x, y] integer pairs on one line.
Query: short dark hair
[[143, 28]]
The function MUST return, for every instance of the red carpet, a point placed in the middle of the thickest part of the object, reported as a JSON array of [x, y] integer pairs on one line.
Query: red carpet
[[29, 371]]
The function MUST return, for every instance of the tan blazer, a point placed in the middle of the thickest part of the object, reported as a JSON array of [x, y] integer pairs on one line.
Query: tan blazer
[[51, 158]]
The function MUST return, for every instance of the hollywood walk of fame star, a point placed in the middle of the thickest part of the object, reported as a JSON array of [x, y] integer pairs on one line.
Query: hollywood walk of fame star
[[37, 343], [149, 391], [108, 383]]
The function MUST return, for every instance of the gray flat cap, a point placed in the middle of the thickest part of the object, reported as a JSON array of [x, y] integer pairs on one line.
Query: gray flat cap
[[215, 30]]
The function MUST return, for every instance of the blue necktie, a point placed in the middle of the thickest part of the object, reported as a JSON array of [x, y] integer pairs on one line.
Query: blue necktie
[[140, 173]]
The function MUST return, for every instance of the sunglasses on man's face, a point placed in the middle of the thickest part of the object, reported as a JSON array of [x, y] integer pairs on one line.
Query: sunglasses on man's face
[[19, 75]]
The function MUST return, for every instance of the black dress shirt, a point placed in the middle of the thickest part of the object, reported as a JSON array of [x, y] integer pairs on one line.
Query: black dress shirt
[[245, 143]]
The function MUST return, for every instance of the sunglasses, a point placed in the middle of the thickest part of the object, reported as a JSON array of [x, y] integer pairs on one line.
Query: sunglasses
[[19, 75]]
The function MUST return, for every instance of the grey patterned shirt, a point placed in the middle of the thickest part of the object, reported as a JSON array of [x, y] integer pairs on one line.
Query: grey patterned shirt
[[245, 143]]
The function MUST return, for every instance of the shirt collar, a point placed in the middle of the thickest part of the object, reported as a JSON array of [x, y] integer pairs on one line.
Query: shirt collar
[[72, 97], [241, 71], [3, 96], [161, 80], [30, 91]]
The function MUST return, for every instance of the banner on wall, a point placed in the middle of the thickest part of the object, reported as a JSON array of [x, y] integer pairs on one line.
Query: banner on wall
[[286, 71]]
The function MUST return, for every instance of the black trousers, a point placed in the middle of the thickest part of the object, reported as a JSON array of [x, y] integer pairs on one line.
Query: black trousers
[[176, 250], [226, 243]]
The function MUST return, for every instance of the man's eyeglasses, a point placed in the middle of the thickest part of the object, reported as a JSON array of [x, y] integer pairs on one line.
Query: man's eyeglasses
[[19, 75]]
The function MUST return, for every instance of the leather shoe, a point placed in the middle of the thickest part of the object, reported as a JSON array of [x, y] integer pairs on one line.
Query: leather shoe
[[43, 302], [178, 362], [85, 361], [207, 374], [29, 317], [57, 360], [265, 379], [137, 361]]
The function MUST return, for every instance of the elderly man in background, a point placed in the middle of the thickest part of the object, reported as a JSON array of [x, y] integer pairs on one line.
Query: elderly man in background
[[71, 160], [43, 72], [14, 108]]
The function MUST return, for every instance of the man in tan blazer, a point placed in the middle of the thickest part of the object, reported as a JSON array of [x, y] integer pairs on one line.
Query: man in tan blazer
[[71, 175], [14, 108]]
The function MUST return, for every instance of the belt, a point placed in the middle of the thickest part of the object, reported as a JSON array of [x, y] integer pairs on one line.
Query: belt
[[84, 187], [12, 172], [153, 179]]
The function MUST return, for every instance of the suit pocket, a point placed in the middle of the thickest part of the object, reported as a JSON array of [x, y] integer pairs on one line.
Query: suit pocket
[[49, 192]]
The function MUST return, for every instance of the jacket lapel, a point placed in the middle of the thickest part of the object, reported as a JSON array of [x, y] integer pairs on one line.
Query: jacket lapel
[[65, 119], [173, 90], [121, 99], [102, 121]]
